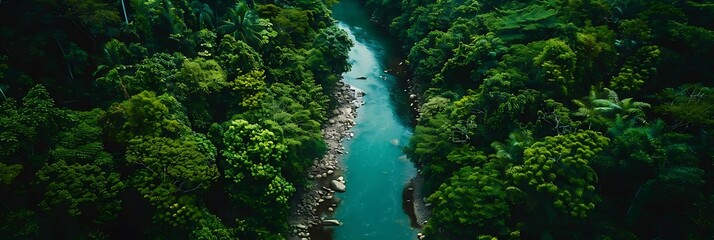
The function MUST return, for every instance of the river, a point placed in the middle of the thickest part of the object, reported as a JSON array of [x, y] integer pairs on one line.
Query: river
[[376, 169]]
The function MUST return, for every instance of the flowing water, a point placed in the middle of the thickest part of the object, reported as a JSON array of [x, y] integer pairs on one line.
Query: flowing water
[[376, 169]]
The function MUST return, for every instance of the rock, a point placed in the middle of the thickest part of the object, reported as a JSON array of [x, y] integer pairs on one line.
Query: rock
[[331, 222], [328, 197], [337, 186], [340, 178], [410, 188], [300, 226], [332, 121], [412, 96], [330, 209], [427, 205], [330, 172], [320, 200]]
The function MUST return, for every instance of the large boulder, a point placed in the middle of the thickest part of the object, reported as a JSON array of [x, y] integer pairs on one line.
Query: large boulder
[[337, 186]]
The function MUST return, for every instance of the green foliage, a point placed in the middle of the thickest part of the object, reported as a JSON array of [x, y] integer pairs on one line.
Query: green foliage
[[170, 171], [329, 54], [688, 106], [157, 76], [81, 189], [251, 89], [472, 203], [521, 20], [142, 115], [602, 109], [202, 76], [637, 70], [236, 57], [475, 58], [510, 73], [254, 158], [212, 229], [242, 23], [23, 127], [558, 169], [292, 25], [9, 172], [19, 224], [556, 64]]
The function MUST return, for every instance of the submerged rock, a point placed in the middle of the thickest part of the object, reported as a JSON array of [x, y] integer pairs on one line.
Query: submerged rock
[[331, 222]]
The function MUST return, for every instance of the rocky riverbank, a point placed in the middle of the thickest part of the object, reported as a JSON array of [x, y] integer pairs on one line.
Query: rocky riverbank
[[314, 206]]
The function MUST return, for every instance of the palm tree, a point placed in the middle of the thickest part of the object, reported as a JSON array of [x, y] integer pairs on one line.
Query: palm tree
[[512, 150], [606, 107], [242, 23], [587, 108], [202, 13]]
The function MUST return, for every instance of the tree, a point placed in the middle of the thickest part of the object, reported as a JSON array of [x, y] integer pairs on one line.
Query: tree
[[601, 109], [637, 70], [170, 172], [241, 22], [556, 64], [688, 107], [202, 76], [471, 203], [293, 27], [512, 149], [81, 190], [475, 58], [253, 157], [8, 172], [236, 57], [251, 88], [330, 50], [22, 128], [203, 15], [557, 170], [142, 115]]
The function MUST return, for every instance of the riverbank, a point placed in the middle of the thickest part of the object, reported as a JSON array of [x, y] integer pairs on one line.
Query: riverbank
[[307, 212]]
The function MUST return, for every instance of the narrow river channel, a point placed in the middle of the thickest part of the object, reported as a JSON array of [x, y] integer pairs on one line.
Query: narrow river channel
[[376, 169]]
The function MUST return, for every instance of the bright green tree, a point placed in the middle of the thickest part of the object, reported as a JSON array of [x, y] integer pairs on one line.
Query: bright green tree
[[558, 171], [253, 157], [202, 76], [556, 64], [471, 203], [251, 89]]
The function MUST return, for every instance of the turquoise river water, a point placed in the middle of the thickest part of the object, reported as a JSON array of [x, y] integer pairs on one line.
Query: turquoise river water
[[376, 169]]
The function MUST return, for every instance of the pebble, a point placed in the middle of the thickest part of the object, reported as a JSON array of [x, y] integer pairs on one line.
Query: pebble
[[339, 128]]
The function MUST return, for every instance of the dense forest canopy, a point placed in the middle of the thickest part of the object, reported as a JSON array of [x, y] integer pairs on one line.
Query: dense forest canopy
[[161, 119], [197, 119], [562, 119]]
